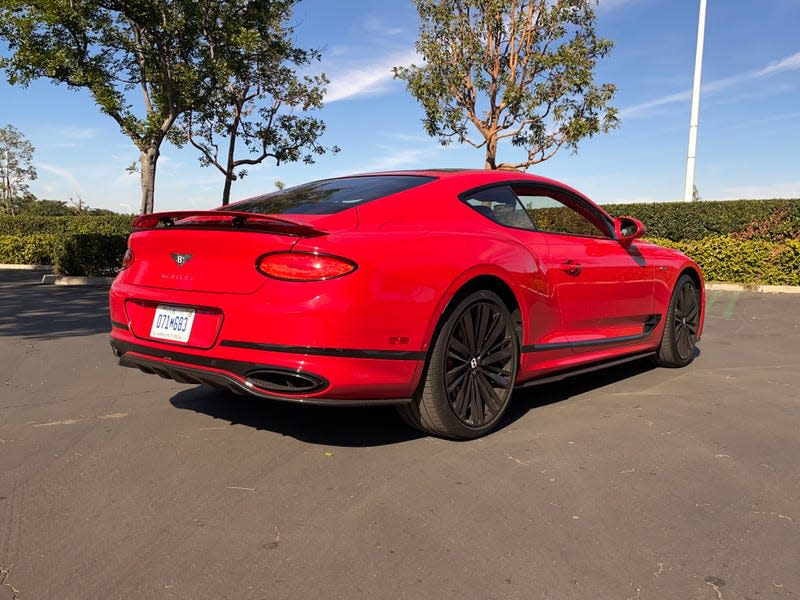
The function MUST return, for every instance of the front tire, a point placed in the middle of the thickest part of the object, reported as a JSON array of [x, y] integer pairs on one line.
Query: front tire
[[678, 342], [469, 379]]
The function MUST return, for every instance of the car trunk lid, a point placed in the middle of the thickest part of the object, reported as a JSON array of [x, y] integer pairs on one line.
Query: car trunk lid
[[209, 251]]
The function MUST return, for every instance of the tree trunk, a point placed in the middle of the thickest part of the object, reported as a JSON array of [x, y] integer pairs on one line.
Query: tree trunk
[[230, 164], [148, 158], [226, 191], [491, 153]]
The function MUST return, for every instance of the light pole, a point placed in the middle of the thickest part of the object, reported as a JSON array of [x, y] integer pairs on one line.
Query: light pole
[[698, 68]]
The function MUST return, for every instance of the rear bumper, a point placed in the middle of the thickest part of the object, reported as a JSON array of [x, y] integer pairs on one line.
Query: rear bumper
[[288, 377]]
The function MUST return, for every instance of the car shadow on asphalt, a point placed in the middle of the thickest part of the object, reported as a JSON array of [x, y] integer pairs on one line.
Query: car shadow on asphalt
[[34, 311], [364, 426]]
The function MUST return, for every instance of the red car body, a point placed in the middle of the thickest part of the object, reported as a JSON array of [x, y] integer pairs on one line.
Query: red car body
[[365, 335]]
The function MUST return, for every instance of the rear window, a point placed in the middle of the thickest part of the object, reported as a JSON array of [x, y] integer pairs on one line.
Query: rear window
[[329, 195]]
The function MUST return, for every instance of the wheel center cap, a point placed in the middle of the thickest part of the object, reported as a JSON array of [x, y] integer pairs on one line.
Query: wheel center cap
[[473, 363], [684, 320]]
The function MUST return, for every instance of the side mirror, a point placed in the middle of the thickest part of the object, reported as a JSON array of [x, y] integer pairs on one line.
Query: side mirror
[[628, 229]]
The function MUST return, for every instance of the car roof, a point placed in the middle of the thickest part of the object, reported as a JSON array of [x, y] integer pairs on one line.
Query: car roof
[[477, 177], [481, 175]]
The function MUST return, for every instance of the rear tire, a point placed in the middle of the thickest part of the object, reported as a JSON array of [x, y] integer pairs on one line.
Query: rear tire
[[678, 342], [469, 378]]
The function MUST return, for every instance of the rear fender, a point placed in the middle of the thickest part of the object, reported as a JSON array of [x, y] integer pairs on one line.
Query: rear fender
[[446, 302]]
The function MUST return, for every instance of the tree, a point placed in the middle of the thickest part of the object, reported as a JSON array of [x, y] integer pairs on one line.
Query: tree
[[110, 48], [520, 71], [45, 208], [170, 54], [258, 99], [16, 158]]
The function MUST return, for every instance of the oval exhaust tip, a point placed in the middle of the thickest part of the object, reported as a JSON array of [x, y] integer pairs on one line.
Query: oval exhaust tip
[[285, 381]]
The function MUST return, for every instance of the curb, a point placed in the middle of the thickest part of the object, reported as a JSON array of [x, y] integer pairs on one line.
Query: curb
[[72, 280], [761, 289], [14, 267]]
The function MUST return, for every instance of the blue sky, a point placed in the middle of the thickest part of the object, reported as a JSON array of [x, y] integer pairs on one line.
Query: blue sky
[[749, 113]]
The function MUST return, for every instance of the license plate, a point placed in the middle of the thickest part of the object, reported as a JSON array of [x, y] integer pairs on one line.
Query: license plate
[[172, 323]]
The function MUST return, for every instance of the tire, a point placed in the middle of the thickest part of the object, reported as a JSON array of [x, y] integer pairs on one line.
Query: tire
[[678, 342], [469, 378]]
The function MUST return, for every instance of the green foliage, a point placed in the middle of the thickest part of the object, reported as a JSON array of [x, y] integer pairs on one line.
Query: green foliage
[[92, 254], [32, 249], [724, 258], [519, 72], [772, 220], [56, 208], [561, 219], [262, 110], [43, 208], [146, 62], [109, 48], [16, 158], [82, 244], [26, 225]]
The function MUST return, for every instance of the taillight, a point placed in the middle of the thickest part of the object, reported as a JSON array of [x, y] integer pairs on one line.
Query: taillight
[[303, 266], [146, 221], [127, 259]]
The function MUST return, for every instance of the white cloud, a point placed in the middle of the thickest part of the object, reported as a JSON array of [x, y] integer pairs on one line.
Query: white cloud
[[373, 24], [789, 63], [364, 80], [404, 158], [76, 133], [63, 174], [70, 137], [613, 4], [785, 189]]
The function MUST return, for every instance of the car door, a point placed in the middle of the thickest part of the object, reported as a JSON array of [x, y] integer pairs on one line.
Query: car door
[[543, 317], [603, 289]]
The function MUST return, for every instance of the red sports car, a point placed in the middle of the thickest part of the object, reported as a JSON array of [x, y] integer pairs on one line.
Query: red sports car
[[437, 291]]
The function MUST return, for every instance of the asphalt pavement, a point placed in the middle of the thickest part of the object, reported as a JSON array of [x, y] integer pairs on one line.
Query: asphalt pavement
[[632, 483]]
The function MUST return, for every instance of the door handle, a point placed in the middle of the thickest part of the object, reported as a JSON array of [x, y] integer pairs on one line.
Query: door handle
[[571, 268]]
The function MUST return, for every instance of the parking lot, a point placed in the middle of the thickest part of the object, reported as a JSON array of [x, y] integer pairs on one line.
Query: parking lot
[[630, 483]]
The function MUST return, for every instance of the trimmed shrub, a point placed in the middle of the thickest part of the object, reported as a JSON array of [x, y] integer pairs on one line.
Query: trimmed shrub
[[725, 258], [36, 249], [28, 224], [92, 254], [771, 220]]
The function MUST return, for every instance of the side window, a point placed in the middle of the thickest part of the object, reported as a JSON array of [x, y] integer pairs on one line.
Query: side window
[[556, 212], [502, 206]]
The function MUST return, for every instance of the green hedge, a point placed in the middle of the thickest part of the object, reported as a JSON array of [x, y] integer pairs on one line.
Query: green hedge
[[744, 241], [93, 254], [725, 258], [75, 245], [771, 220], [27, 224], [34, 249]]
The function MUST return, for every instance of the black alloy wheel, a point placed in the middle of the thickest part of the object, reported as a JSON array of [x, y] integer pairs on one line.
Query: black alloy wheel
[[678, 342], [685, 321], [479, 364], [470, 377]]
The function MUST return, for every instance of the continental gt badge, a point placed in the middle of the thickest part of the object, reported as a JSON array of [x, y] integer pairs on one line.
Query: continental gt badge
[[181, 259]]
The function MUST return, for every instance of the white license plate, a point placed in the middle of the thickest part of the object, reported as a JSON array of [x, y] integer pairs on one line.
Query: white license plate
[[172, 323]]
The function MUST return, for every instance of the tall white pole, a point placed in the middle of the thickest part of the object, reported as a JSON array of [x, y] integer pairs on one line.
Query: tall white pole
[[698, 68]]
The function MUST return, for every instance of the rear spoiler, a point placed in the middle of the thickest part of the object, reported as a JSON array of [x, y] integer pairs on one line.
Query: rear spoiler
[[223, 219]]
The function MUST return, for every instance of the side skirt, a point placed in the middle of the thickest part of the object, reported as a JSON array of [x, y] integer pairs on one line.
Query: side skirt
[[604, 364]]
